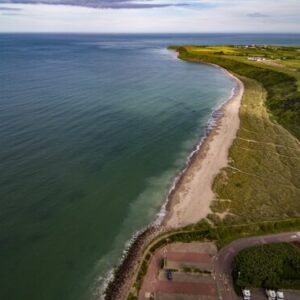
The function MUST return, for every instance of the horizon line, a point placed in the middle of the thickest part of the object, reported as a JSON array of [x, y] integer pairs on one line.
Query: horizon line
[[136, 33]]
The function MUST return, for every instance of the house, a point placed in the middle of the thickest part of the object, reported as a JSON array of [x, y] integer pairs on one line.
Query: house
[[252, 58]]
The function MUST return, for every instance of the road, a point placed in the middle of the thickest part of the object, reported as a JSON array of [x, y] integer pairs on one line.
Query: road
[[226, 255]]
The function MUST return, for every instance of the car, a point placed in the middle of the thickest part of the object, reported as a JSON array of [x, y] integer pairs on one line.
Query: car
[[280, 295], [271, 294], [169, 275], [246, 294]]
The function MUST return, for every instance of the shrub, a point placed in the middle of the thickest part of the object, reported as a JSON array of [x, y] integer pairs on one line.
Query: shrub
[[268, 266]]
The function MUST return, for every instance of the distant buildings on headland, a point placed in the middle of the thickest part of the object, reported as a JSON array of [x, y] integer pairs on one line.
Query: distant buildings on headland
[[254, 46], [256, 58], [263, 56]]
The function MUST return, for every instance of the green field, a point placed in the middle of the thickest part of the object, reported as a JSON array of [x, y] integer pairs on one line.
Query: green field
[[262, 181], [273, 266]]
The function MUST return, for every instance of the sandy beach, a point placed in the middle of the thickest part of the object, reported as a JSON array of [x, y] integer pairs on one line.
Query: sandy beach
[[190, 201]]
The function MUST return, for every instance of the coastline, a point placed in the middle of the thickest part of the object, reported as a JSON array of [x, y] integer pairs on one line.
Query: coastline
[[190, 200], [218, 132]]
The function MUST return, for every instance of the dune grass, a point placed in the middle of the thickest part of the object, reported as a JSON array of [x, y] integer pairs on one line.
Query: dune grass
[[262, 180]]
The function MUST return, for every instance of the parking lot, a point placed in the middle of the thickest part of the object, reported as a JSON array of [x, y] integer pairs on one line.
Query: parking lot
[[191, 271], [191, 267]]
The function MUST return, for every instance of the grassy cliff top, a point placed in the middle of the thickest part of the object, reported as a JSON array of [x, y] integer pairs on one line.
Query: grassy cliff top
[[287, 56], [262, 179], [277, 68]]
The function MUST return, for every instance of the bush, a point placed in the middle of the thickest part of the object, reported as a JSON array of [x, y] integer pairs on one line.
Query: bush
[[268, 266]]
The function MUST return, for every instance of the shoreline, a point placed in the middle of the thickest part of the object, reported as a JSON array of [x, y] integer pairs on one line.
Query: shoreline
[[210, 126], [121, 280], [184, 206]]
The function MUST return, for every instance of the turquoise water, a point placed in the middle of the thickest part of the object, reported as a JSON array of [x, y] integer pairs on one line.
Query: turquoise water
[[93, 129]]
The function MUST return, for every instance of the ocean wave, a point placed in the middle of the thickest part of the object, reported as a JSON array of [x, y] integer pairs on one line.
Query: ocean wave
[[215, 116]]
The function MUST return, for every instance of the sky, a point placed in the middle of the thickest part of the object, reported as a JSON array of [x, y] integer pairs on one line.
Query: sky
[[150, 16]]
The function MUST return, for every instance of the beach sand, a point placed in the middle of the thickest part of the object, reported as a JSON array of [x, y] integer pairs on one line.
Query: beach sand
[[190, 201]]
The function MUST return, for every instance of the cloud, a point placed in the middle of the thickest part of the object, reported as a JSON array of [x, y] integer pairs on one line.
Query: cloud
[[10, 9], [257, 15], [197, 16], [11, 14], [113, 4]]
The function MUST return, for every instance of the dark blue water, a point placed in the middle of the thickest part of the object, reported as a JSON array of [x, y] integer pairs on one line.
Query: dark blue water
[[93, 129]]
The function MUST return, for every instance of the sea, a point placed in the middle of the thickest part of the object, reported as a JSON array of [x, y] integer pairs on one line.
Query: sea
[[93, 131]]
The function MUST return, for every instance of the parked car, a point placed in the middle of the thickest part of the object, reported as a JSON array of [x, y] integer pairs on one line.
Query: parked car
[[271, 294], [169, 275], [280, 295], [246, 294]]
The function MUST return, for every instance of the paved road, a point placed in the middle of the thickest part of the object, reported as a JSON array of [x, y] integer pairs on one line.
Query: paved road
[[226, 255]]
